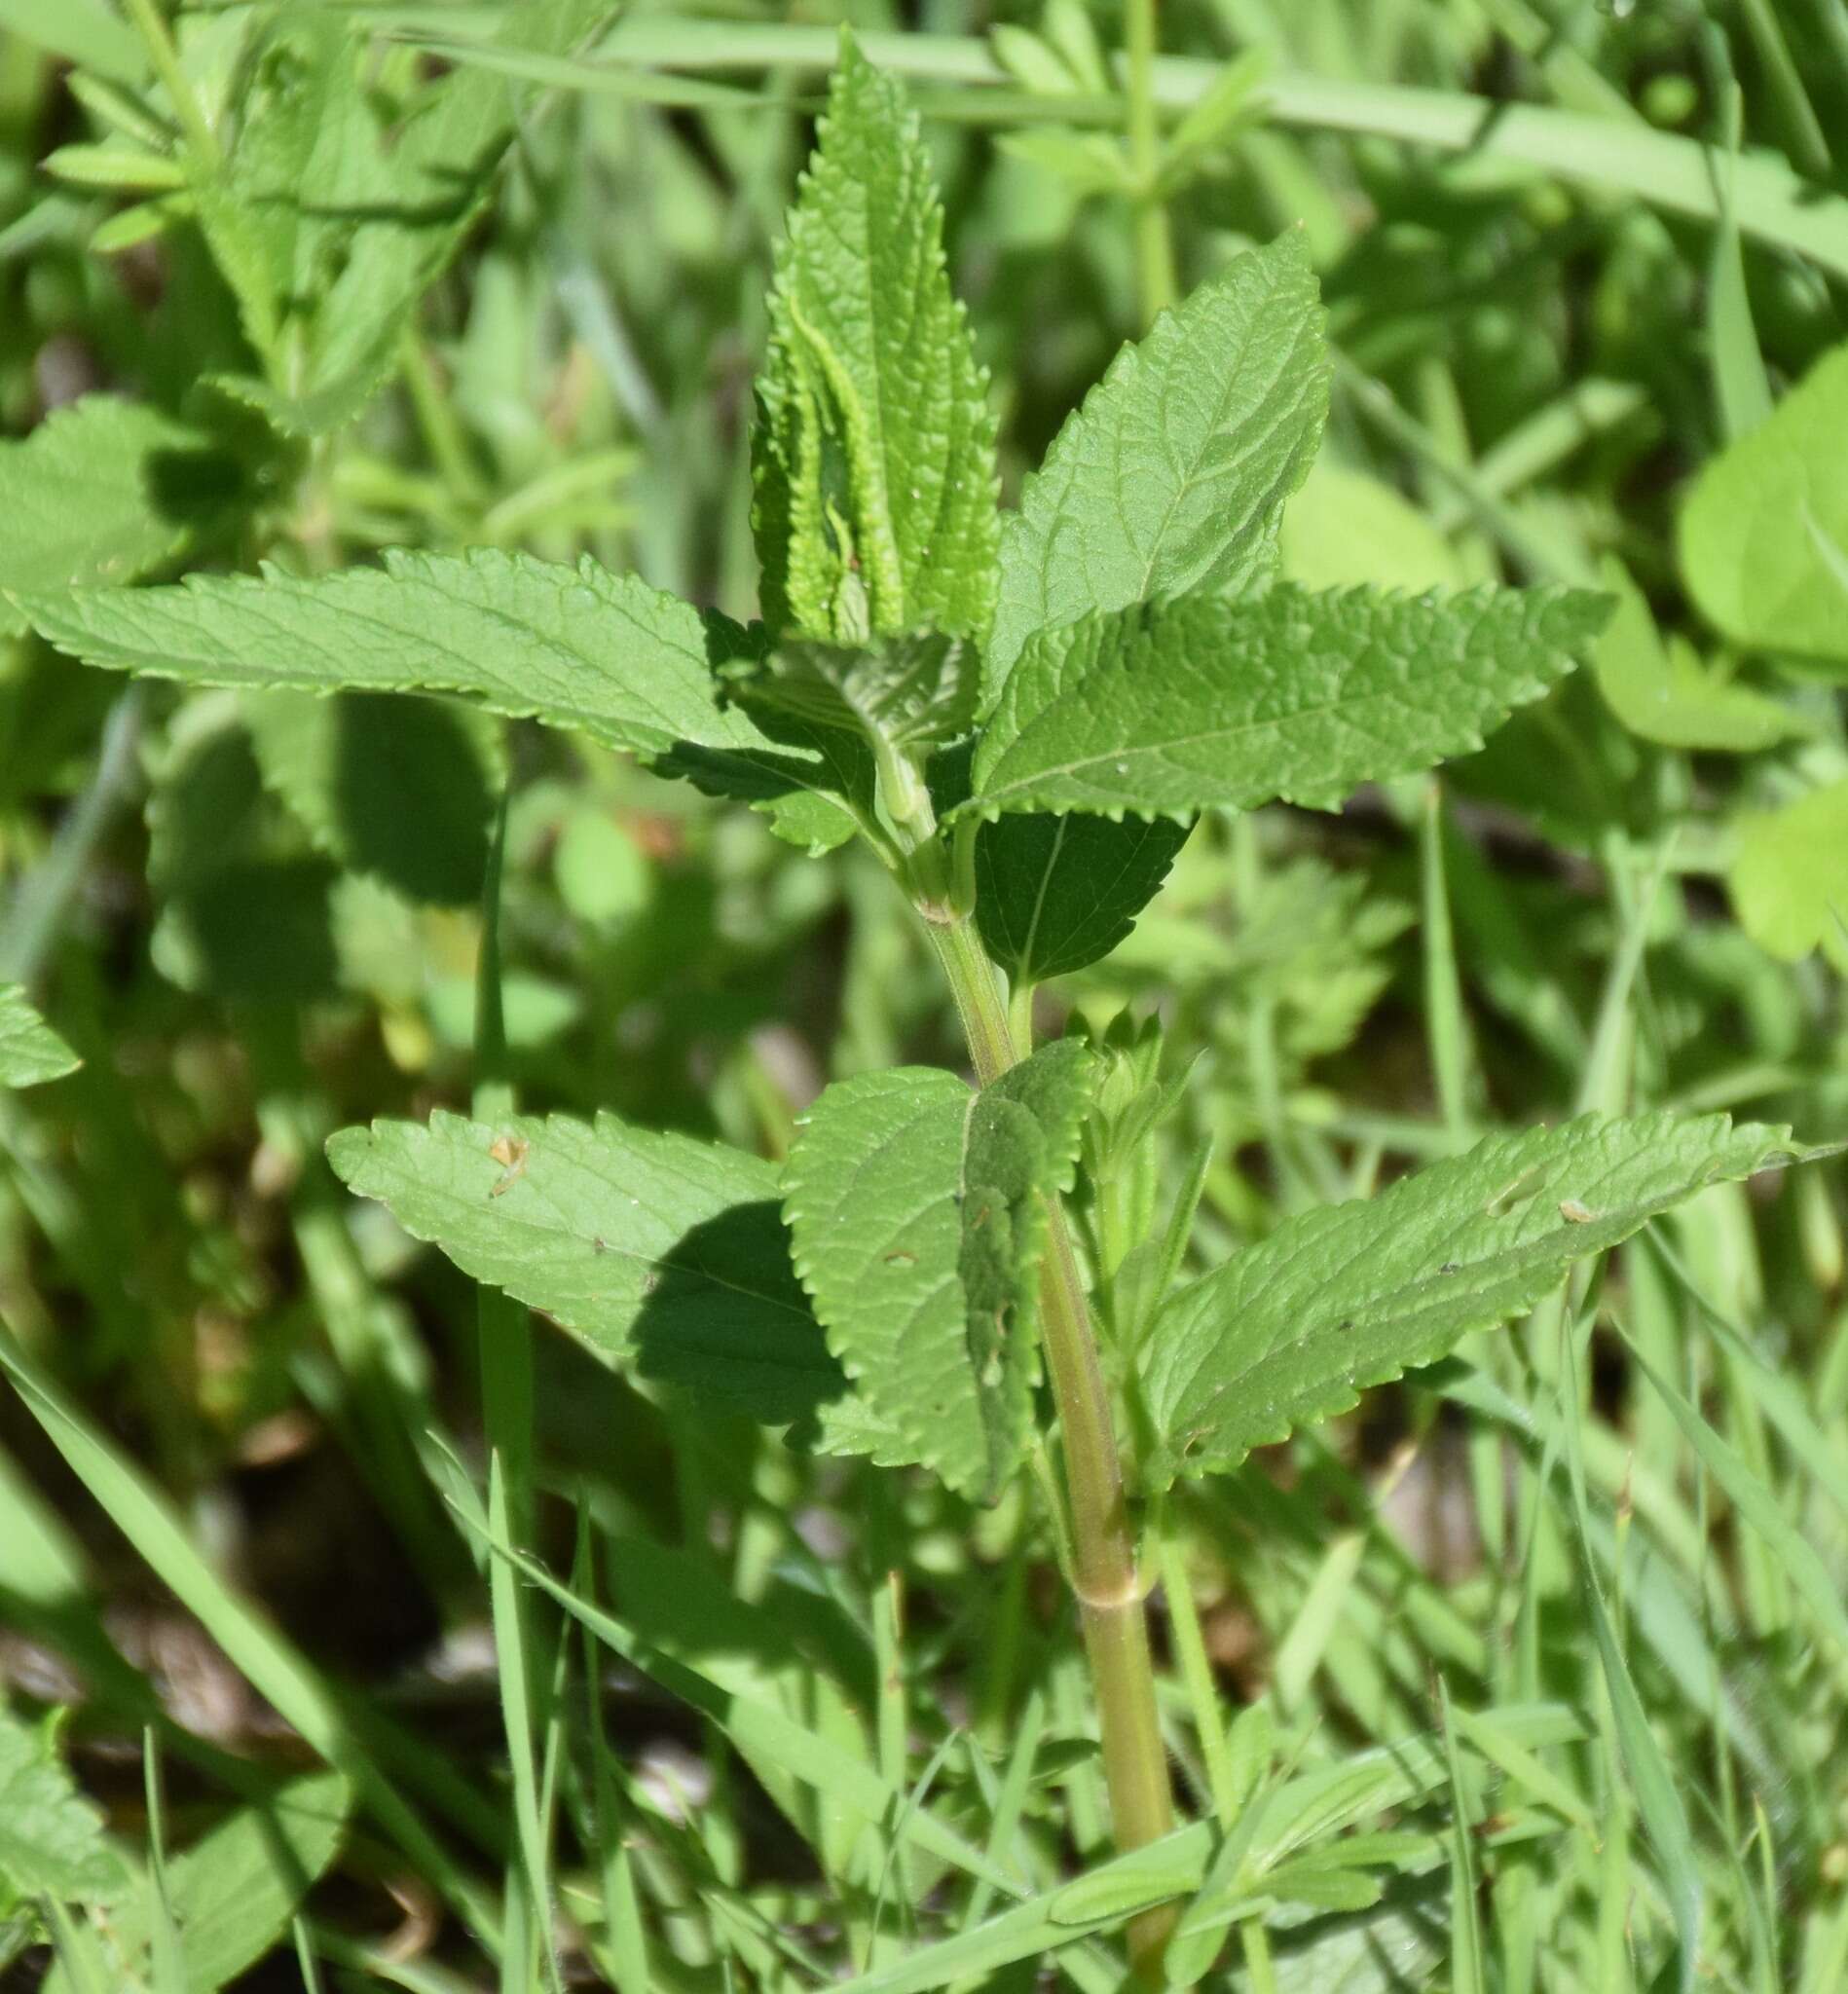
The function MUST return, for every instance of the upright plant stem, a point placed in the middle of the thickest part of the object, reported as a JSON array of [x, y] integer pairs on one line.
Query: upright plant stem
[[1103, 1547], [201, 142], [1154, 242]]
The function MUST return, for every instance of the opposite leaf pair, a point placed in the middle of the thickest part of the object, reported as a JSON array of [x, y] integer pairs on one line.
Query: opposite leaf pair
[[913, 1209], [1116, 649]]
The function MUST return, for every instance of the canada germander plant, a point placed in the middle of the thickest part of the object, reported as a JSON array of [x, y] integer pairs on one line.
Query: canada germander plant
[[1021, 713]]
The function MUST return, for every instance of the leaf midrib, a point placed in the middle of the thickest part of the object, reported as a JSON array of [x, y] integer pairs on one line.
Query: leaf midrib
[[1023, 787]]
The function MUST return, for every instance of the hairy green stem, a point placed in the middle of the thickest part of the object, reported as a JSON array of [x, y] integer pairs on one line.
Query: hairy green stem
[[1104, 1573], [1154, 243], [201, 141]]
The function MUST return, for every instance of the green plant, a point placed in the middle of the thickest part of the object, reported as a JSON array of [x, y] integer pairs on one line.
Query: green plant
[[1020, 715]]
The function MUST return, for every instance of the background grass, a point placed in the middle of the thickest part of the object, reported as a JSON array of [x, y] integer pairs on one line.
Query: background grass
[[1531, 1674]]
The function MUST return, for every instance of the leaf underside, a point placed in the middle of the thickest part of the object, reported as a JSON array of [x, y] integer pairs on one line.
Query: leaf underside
[[1170, 710], [667, 1257], [1054, 894], [917, 1210], [1294, 1328]]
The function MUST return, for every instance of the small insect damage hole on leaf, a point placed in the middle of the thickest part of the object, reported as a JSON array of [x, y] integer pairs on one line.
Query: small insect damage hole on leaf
[[900, 1259], [510, 1152], [1450, 1266]]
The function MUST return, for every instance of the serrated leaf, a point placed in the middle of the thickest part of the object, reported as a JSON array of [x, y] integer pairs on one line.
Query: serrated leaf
[[575, 647], [52, 1841], [103, 491], [666, 1256], [30, 1050], [1764, 535], [873, 458], [401, 789], [914, 692], [1661, 689], [1172, 476], [1206, 701], [917, 1210], [1053, 894], [1293, 1329], [1789, 880]]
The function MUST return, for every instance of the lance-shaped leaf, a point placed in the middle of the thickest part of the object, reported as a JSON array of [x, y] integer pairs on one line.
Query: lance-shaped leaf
[[874, 453], [30, 1050], [1294, 1328], [1171, 477], [575, 647], [918, 1212], [666, 1256], [1053, 894], [1165, 710]]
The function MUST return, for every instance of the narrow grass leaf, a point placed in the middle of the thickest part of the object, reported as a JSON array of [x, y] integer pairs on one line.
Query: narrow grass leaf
[[1780, 1396], [1311, 1806], [756, 1727], [270, 1664], [1760, 1507]]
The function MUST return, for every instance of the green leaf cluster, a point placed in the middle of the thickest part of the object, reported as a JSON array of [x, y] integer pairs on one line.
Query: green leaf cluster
[[1021, 713]]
